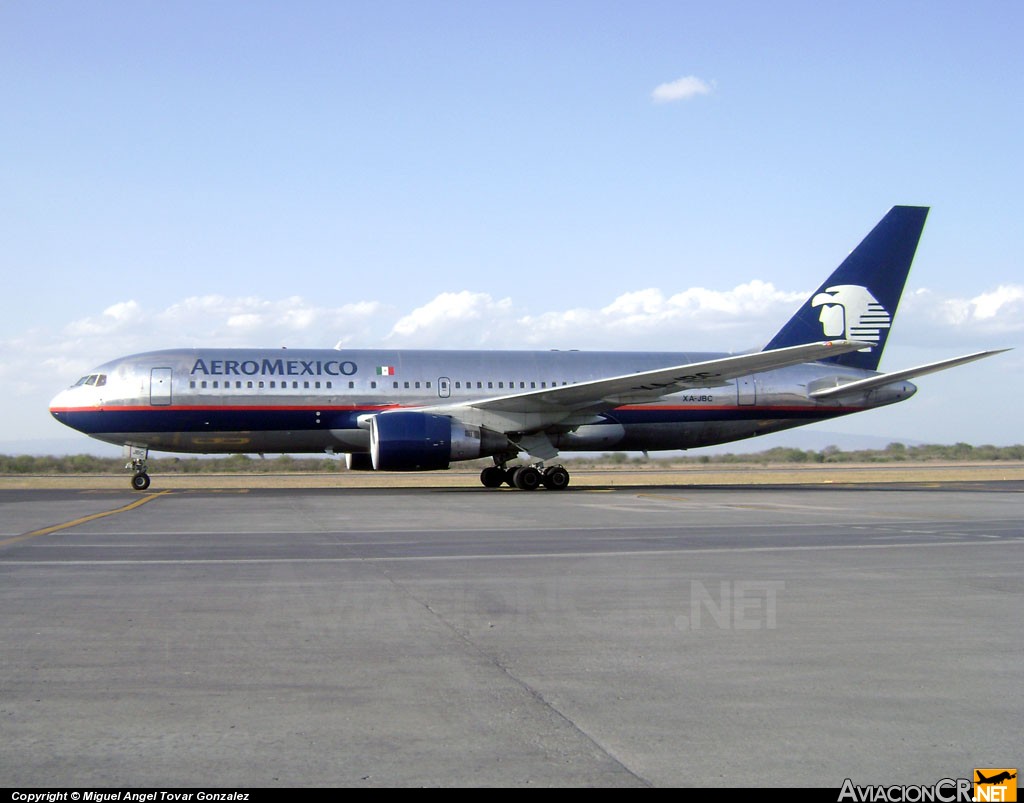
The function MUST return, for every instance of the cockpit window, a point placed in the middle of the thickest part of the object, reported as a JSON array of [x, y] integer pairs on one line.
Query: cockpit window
[[99, 380], [91, 380], [81, 381]]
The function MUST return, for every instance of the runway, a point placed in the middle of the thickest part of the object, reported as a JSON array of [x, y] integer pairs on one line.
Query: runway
[[605, 636]]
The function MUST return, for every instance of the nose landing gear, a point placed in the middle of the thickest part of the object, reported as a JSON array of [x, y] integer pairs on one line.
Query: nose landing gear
[[137, 463]]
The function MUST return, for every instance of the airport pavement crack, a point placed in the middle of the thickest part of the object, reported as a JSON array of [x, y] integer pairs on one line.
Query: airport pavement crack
[[533, 694]]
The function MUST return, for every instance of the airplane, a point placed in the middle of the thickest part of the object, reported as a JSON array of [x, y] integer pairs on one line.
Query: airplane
[[421, 410], [995, 779]]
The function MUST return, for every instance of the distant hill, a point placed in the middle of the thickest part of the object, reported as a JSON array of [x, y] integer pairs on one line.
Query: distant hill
[[60, 446], [22, 465], [795, 439]]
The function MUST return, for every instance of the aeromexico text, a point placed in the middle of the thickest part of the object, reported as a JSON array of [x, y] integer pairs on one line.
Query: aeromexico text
[[276, 367]]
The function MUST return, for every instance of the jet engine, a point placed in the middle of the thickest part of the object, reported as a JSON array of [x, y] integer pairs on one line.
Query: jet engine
[[413, 441], [358, 461]]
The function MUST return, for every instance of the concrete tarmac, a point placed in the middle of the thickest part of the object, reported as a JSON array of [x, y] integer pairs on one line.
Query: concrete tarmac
[[603, 636]]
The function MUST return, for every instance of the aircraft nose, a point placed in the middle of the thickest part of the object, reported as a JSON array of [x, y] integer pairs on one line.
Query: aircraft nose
[[58, 404]]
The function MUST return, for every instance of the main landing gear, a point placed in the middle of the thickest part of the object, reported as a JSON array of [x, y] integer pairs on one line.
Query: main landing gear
[[526, 478], [137, 463]]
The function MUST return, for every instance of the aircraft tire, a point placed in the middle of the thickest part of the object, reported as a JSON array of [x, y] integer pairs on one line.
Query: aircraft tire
[[556, 478], [140, 481], [492, 477], [528, 478]]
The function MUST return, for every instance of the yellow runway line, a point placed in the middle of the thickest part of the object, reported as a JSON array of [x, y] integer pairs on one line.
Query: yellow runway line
[[75, 522]]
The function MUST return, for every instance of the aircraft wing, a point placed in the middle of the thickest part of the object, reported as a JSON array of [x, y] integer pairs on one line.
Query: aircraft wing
[[864, 385], [551, 404]]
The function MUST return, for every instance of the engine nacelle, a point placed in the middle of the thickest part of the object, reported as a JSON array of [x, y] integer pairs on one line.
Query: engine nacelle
[[413, 441], [358, 461]]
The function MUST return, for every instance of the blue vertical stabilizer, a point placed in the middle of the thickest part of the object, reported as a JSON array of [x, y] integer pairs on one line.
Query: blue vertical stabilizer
[[859, 300]]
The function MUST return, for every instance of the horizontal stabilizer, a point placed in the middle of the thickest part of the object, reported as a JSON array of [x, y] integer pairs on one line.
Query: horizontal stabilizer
[[864, 385]]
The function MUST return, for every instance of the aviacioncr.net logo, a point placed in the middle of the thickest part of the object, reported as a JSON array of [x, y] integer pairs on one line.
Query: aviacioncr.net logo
[[948, 790], [995, 784], [850, 311]]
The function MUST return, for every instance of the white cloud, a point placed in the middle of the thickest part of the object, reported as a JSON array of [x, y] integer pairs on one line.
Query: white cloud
[[125, 311], [695, 319], [251, 321], [435, 320], [213, 320], [113, 319], [685, 88], [247, 320], [641, 319], [1004, 299], [999, 311]]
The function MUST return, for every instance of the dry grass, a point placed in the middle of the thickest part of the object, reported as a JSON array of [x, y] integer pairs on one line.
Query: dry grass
[[585, 478]]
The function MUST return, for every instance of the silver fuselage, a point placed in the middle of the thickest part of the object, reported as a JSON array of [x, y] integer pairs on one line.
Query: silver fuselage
[[304, 400]]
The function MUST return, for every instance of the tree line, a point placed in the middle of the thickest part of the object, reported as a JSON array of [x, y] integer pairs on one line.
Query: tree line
[[281, 464]]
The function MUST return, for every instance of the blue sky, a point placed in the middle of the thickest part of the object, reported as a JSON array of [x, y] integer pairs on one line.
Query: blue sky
[[464, 174]]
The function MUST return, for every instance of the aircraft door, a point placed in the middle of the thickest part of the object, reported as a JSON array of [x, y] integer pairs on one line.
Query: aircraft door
[[444, 387], [160, 386], [746, 389]]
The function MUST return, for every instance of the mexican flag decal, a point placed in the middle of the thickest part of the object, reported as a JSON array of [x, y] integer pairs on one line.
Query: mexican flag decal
[[385, 370]]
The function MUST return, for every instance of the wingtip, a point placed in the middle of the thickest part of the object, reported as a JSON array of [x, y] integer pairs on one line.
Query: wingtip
[[847, 345]]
